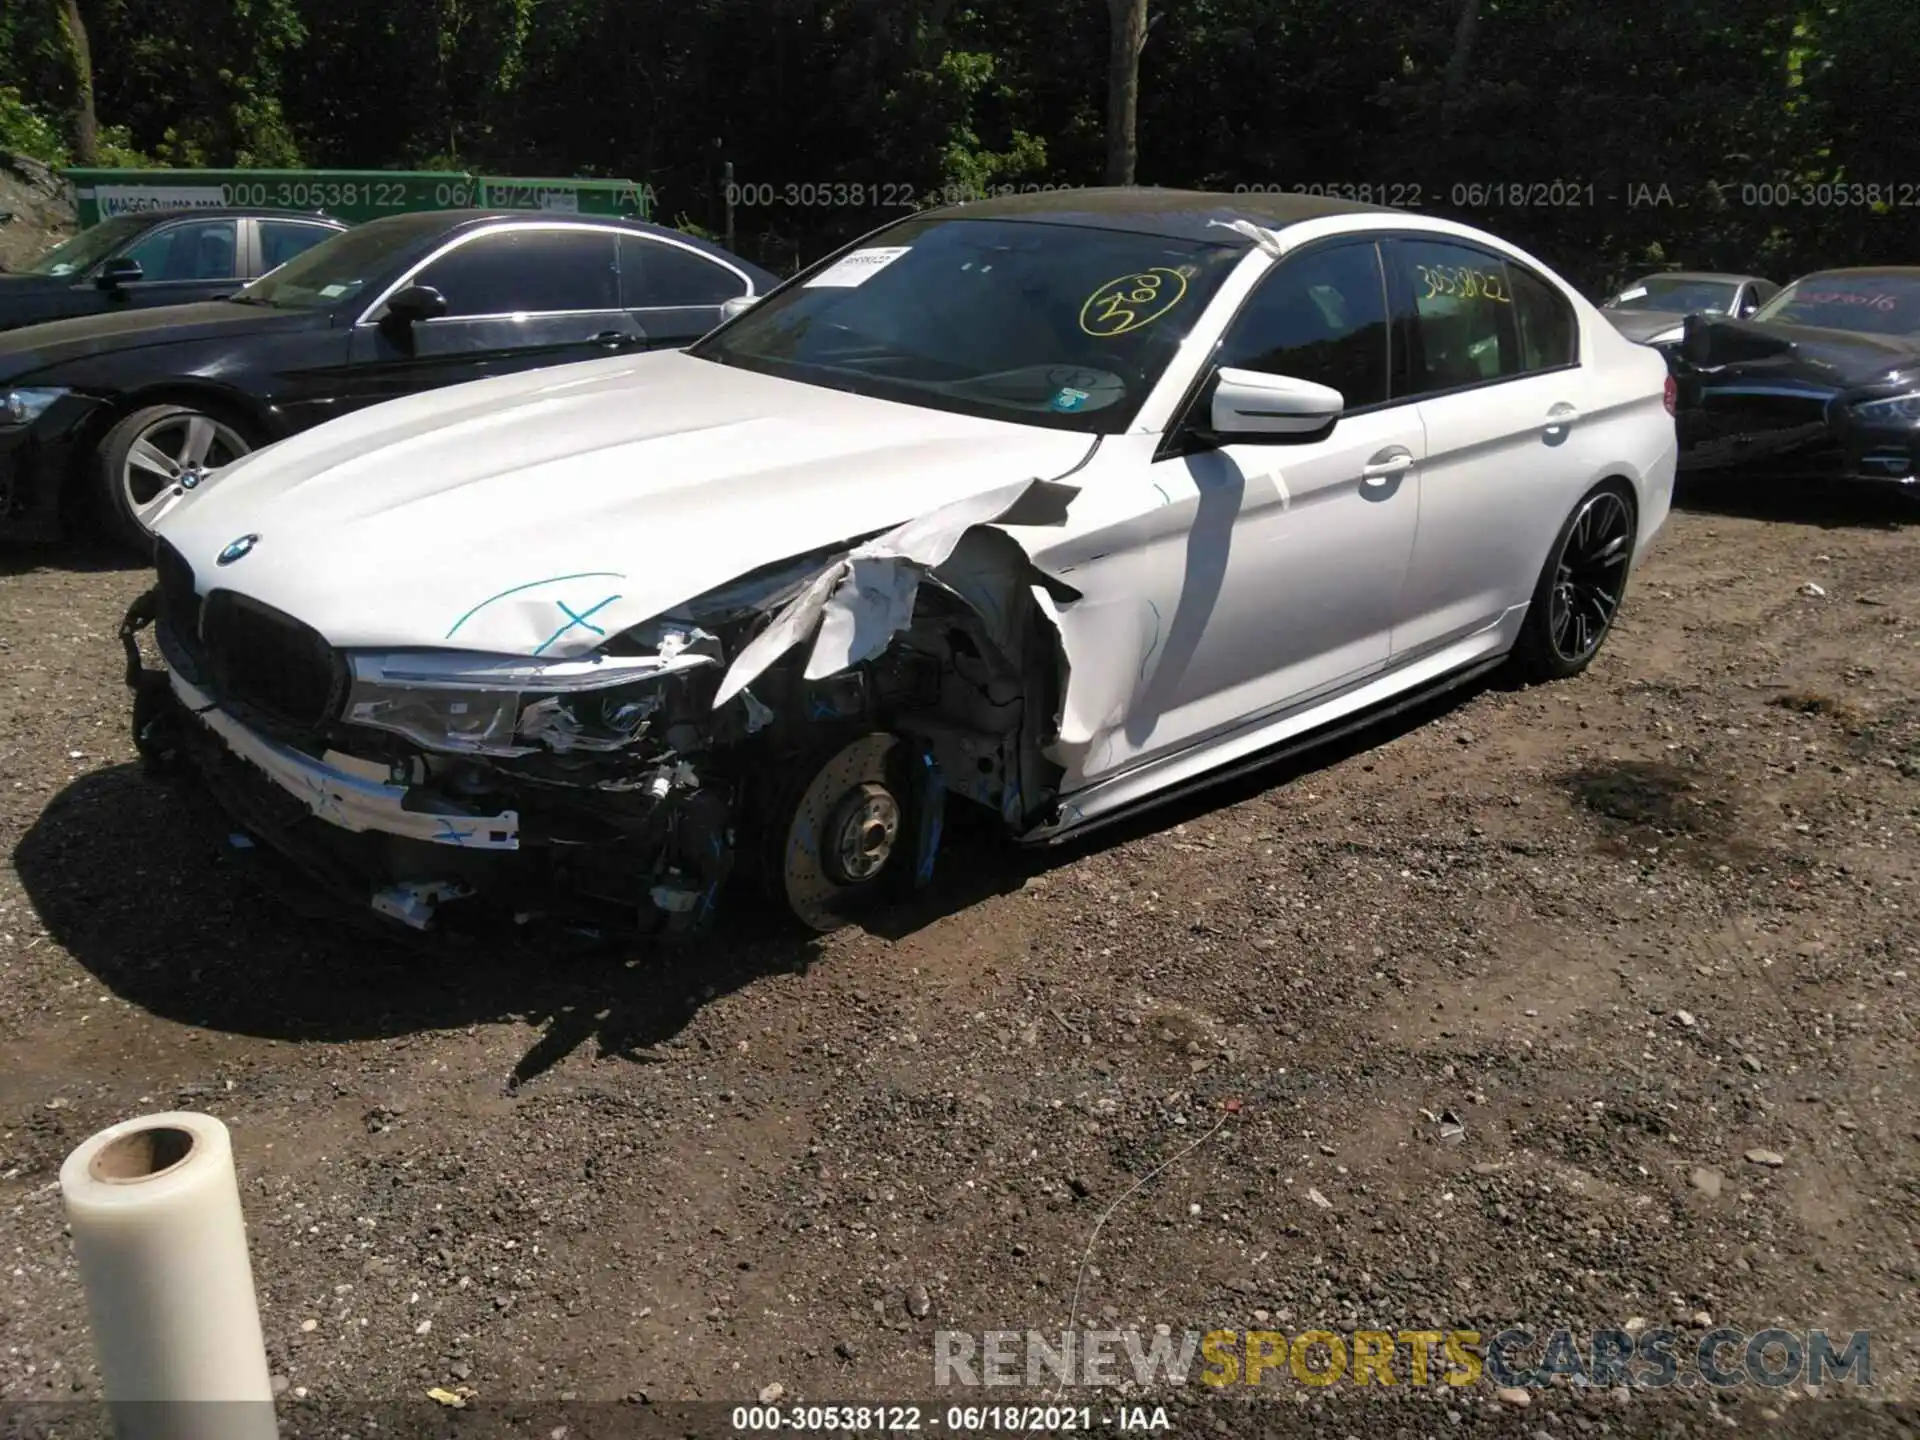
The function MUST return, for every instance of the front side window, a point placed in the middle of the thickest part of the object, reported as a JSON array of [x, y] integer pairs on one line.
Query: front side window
[[1464, 328], [190, 250], [1322, 317], [527, 271], [1063, 325], [656, 275], [80, 254]]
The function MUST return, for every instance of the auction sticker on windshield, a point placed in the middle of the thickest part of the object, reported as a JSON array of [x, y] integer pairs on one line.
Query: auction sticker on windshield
[[859, 267], [1132, 301]]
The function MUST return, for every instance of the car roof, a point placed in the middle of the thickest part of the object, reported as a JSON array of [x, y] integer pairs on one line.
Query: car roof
[[1182, 214], [263, 212], [423, 222], [1726, 276]]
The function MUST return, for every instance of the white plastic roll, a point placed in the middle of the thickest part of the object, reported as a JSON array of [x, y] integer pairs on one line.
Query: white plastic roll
[[162, 1247]]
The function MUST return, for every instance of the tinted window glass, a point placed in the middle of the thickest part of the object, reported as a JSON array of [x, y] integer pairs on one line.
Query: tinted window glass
[[656, 274], [1464, 328], [1878, 302], [281, 240], [1549, 335], [1322, 317], [528, 270], [191, 250]]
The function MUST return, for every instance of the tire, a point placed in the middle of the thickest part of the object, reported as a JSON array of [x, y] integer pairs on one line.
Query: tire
[[838, 833], [152, 453], [1581, 586]]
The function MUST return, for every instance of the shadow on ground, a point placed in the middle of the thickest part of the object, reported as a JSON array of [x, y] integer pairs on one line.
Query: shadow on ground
[[143, 889], [1826, 507], [79, 556]]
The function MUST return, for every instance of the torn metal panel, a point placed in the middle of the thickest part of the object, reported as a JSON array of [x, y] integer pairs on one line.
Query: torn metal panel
[[857, 604]]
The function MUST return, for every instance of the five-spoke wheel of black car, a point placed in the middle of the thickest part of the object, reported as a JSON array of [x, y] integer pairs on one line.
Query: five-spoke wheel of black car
[[153, 457], [1581, 588]]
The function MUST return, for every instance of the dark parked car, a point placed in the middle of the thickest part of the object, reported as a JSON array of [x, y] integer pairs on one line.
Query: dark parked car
[[1823, 383], [126, 412], [159, 257], [1654, 307]]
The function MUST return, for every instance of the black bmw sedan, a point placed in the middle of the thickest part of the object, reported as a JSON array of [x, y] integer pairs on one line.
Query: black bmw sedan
[[1823, 383], [157, 257], [116, 413]]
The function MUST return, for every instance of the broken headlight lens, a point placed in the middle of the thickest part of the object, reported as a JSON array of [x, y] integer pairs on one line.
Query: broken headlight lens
[[475, 720], [512, 705]]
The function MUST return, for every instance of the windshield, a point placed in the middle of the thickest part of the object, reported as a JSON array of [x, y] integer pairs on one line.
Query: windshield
[[1665, 292], [335, 270], [88, 248], [1030, 321], [1877, 304]]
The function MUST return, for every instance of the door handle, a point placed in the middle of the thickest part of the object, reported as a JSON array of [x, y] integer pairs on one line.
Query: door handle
[[1561, 416], [616, 339], [1384, 467]]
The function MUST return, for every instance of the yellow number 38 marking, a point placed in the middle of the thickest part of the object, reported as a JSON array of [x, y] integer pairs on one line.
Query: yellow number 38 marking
[[1132, 301]]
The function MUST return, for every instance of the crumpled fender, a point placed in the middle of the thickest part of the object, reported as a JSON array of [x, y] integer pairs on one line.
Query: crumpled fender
[[855, 606]]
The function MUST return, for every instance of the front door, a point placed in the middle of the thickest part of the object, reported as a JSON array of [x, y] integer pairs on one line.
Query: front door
[[517, 299], [1254, 577]]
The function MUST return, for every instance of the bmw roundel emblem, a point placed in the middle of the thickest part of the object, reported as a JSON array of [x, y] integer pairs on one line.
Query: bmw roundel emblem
[[237, 550]]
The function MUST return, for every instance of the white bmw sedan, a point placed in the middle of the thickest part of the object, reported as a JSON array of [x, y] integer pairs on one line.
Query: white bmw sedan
[[1056, 505]]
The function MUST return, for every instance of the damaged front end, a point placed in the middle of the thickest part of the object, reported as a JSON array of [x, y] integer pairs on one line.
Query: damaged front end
[[798, 728]]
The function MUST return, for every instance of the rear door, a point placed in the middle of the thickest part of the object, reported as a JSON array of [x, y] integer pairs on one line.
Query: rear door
[[1502, 394], [674, 292], [185, 260], [518, 297]]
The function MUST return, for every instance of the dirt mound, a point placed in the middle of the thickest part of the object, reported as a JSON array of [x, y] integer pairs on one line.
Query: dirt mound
[[36, 210]]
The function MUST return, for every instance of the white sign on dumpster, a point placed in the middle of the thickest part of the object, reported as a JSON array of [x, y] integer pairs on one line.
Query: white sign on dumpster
[[138, 199]]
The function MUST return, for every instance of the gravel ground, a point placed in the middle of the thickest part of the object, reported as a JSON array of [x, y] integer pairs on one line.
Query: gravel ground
[[1556, 1007]]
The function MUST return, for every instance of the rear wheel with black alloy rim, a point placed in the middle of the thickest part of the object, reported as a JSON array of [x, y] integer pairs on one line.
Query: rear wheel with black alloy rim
[[152, 457], [839, 831], [1580, 590]]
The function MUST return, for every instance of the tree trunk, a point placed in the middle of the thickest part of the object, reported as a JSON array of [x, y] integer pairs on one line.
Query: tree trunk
[[1463, 33], [86, 126], [1129, 19]]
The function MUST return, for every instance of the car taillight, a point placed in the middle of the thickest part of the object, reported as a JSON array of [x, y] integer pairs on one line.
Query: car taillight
[[1671, 396]]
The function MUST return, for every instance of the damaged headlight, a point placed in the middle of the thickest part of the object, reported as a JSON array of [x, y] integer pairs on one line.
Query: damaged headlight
[[510, 705]]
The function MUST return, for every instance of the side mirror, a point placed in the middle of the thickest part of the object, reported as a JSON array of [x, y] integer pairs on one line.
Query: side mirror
[[739, 305], [1251, 405], [122, 270], [412, 303]]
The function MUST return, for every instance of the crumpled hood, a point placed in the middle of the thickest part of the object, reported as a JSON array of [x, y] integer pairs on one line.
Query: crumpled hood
[[540, 513]]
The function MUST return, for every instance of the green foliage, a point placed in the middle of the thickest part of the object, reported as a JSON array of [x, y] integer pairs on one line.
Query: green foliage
[[895, 101], [25, 131]]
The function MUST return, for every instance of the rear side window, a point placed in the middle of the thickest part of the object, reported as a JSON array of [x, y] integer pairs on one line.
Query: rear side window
[[190, 250], [656, 275], [528, 271], [1465, 332], [1321, 316], [1549, 334], [281, 240]]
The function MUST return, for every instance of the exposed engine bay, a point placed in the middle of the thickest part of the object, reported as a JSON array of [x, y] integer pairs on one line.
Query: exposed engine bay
[[799, 728]]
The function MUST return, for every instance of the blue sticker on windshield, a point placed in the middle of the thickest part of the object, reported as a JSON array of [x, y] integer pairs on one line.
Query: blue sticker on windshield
[[1069, 399]]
